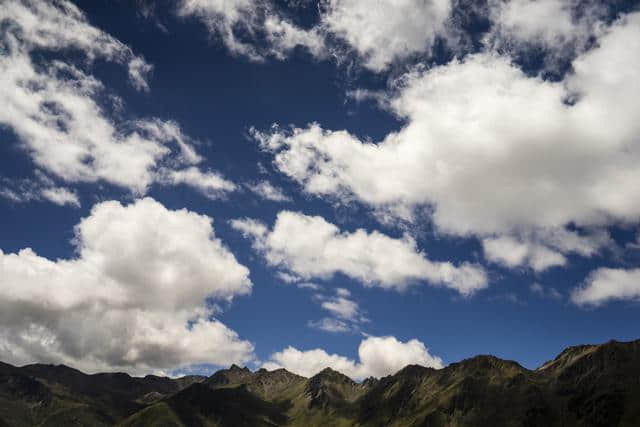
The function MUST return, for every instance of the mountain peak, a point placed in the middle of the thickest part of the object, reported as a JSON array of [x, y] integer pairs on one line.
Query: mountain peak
[[329, 374], [584, 386], [330, 388], [235, 367]]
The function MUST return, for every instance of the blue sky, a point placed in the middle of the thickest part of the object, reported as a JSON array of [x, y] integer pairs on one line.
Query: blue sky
[[445, 179]]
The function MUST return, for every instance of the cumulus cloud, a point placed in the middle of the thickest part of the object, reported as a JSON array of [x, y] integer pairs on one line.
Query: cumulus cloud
[[133, 298], [378, 357], [310, 247], [543, 249], [608, 284], [268, 191], [388, 31], [562, 27], [490, 151], [58, 110], [343, 307]]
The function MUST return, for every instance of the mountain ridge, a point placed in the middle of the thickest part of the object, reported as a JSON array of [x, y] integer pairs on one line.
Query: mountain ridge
[[586, 385]]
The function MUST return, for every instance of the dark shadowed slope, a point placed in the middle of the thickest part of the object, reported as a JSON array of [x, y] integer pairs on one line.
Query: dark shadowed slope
[[593, 385], [56, 395]]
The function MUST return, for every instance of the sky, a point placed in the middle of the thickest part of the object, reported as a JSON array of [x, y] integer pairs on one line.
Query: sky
[[359, 184]]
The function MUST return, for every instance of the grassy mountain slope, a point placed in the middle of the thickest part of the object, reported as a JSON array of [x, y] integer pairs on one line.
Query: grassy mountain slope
[[594, 385], [56, 395]]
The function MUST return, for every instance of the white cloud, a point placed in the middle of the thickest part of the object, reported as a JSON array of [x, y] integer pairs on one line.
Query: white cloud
[[378, 357], [492, 152], [284, 36], [309, 246], [57, 25], [170, 131], [211, 184], [563, 27], [342, 307], [388, 31], [133, 298], [543, 250], [61, 196], [608, 284], [329, 324], [392, 30], [343, 292], [549, 292], [41, 188], [138, 73], [285, 277], [240, 24], [222, 19], [346, 314], [268, 191], [309, 285], [58, 110], [506, 250], [257, 230]]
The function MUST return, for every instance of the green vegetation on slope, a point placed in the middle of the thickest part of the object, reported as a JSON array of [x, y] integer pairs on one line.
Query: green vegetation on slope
[[596, 385]]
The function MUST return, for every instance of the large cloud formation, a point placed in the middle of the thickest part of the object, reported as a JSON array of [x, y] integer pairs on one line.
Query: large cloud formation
[[393, 32], [133, 298], [491, 152], [62, 114], [378, 357], [309, 246]]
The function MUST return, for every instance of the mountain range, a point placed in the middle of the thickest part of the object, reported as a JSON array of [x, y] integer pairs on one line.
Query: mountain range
[[588, 385]]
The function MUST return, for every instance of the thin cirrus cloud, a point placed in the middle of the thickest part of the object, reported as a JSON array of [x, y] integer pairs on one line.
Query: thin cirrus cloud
[[139, 291], [330, 324], [254, 19], [493, 152], [267, 191], [545, 292], [40, 188], [345, 313], [209, 183], [310, 247], [378, 357], [58, 112]]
